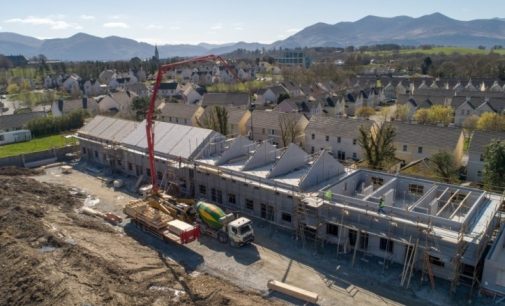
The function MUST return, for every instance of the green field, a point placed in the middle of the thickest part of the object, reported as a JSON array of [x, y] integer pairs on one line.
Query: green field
[[438, 50], [36, 145]]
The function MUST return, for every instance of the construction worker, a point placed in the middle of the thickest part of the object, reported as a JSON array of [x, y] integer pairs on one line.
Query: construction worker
[[381, 206]]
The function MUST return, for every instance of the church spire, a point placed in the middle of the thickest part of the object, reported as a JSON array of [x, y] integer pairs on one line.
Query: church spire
[[156, 53]]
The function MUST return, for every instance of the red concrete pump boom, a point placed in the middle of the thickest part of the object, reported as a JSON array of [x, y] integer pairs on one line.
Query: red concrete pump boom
[[150, 112]]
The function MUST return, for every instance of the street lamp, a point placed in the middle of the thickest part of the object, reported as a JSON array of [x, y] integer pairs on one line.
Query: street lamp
[[252, 107]]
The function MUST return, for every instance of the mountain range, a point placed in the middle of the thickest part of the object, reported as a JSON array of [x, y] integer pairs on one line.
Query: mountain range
[[434, 29]]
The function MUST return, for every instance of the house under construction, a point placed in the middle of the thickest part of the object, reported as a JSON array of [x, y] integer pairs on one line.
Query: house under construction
[[439, 229]]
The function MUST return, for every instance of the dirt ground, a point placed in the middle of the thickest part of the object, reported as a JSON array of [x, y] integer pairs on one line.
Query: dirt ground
[[52, 255]]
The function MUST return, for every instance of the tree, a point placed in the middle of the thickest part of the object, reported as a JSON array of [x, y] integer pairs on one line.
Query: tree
[[365, 112], [216, 118], [434, 115], [426, 65], [444, 166], [140, 106], [422, 116], [377, 144], [494, 166], [289, 128], [402, 112], [13, 89], [491, 122], [470, 123], [440, 114]]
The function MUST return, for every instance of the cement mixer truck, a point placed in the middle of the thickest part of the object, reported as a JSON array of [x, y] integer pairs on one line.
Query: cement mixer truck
[[224, 227]]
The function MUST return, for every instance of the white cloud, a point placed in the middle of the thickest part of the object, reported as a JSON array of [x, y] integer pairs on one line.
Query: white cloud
[[121, 25], [87, 17], [45, 21], [115, 17], [239, 28], [173, 28], [216, 27], [154, 27]]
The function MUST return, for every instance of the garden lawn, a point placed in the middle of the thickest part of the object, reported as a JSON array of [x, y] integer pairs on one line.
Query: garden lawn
[[36, 145]]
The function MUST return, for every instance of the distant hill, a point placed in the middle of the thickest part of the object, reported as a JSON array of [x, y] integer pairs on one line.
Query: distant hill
[[430, 29]]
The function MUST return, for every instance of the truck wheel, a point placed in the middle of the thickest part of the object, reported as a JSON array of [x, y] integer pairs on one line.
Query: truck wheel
[[222, 237]]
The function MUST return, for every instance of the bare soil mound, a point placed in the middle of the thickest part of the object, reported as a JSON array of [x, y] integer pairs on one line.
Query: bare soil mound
[[15, 171], [50, 255]]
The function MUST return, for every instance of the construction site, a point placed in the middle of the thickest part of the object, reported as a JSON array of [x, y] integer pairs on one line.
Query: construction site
[[160, 213]]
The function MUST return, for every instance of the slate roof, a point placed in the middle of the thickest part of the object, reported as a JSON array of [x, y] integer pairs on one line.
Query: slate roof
[[337, 126], [481, 139], [109, 129], [427, 135], [168, 86], [225, 99], [178, 110], [269, 119], [171, 140], [17, 121]]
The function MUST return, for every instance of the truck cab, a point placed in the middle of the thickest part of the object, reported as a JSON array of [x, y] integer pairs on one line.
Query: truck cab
[[240, 231]]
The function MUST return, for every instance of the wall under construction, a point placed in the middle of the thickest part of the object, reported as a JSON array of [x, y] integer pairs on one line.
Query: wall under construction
[[437, 228]]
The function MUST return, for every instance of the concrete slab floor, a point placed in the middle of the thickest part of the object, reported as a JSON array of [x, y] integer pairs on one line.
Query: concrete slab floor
[[277, 255]]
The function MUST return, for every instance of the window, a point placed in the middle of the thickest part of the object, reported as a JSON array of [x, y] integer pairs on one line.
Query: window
[[219, 194], [416, 189], [482, 157], [104, 156], [267, 212], [148, 172], [231, 198], [119, 162], [332, 229], [327, 138], [354, 156], [312, 150], [83, 148], [420, 150], [313, 136], [436, 261], [2, 138], [339, 139], [130, 167], [96, 154], [263, 131], [354, 141], [404, 148], [272, 132], [202, 189], [249, 204], [479, 173], [213, 194], [159, 175], [386, 245], [286, 217], [341, 155], [363, 241]]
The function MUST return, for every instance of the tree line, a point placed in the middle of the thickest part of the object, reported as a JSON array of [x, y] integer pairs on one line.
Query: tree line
[[53, 125]]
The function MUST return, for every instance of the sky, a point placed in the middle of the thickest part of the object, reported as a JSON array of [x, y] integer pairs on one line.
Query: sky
[[217, 21]]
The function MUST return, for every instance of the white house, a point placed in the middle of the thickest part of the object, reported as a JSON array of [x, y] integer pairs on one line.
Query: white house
[[338, 135], [71, 82]]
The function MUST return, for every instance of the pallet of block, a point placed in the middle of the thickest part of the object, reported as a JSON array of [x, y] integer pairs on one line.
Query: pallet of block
[[142, 211]]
